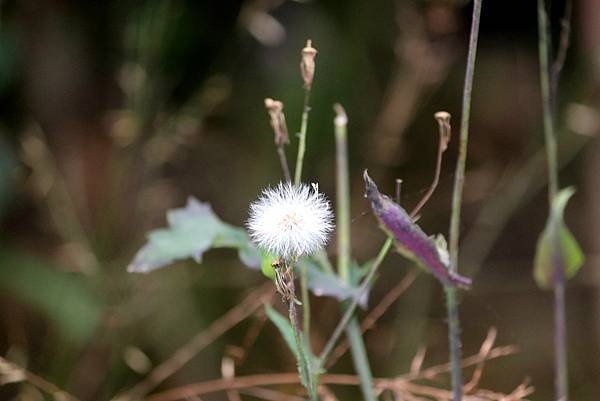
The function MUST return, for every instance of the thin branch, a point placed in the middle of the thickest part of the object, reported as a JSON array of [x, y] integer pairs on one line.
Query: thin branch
[[459, 182], [17, 373], [307, 68], [443, 119], [270, 395], [561, 55], [189, 350], [484, 350], [241, 382]]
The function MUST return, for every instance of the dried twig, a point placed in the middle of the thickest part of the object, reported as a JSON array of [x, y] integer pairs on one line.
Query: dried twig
[[184, 354], [10, 373], [484, 350], [399, 383], [270, 395]]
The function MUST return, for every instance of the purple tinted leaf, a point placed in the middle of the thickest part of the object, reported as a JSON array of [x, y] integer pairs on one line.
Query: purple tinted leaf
[[411, 241]]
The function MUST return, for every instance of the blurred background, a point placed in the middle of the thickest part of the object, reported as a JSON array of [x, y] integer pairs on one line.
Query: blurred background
[[113, 112]]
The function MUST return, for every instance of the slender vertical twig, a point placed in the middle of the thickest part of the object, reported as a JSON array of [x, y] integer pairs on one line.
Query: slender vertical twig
[[304, 362], [549, 136], [344, 248], [459, 180], [549, 87], [307, 68]]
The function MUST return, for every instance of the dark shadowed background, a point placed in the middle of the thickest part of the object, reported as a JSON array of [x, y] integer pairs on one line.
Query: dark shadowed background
[[113, 112]]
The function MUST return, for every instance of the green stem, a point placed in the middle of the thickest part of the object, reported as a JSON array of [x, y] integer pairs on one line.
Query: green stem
[[302, 139], [359, 354], [304, 362], [560, 331], [305, 303], [351, 308], [459, 180], [549, 135], [297, 181]]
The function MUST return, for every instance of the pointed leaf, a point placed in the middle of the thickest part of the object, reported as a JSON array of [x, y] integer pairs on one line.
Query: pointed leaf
[[192, 231], [411, 241], [287, 332], [556, 245], [322, 283]]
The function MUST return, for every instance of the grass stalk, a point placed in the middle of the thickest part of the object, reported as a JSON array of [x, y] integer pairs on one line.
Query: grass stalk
[[548, 94], [344, 247], [459, 180]]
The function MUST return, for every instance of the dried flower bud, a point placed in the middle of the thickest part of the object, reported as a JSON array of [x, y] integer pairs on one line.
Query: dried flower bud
[[443, 119], [307, 65], [275, 109]]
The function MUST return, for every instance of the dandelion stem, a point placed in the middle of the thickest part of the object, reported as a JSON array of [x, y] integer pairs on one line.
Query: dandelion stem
[[459, 180], [305, 303], [304, 363], [302, 138], [548, 89]]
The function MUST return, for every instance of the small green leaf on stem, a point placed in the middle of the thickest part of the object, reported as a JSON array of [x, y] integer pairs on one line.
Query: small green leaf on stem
[[556, 245]]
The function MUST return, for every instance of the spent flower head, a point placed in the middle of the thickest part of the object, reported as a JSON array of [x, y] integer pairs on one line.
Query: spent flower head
[[290, 221]]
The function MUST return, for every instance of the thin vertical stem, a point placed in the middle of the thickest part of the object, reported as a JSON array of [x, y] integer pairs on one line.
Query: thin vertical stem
[[459, 180], [305, 364], [549, 136], [342, 193], [284, 164], [297, 180], [302, 138], [305, 302], [548, 93], [359, 354], [560, 337]]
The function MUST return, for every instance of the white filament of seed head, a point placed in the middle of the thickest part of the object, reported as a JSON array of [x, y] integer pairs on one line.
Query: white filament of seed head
[[290, 221]]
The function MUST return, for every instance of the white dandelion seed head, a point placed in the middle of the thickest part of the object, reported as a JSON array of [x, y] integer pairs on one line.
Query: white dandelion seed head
[[290, 221]]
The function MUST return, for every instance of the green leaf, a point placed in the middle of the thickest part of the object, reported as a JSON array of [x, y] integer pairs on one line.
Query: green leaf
[[192, 231], [287, 332], [557, 245], [285, 328], [266, 265], [64, 298], [322, 283]]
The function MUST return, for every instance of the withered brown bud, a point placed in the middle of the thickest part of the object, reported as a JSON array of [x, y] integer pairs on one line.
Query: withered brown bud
[[307, 65], [275, 109], [443, 119]]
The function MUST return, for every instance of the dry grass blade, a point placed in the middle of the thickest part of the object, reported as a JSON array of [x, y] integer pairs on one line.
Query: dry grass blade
[[417, 362], [484, 351], [9, 373], [184, 354], [397, 385], [436, 370], [326, 394], [228, 372], [270, 395]]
